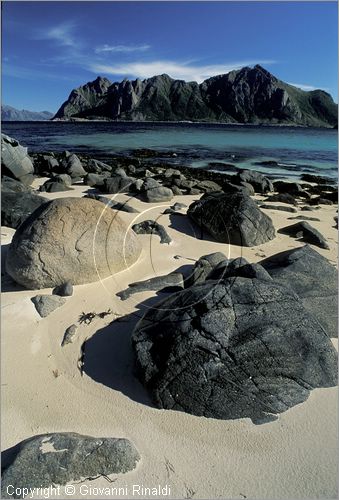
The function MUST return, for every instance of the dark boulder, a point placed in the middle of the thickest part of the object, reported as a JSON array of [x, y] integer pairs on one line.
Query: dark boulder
[[288, 187], [60, 458], [260, 183], [158, 194], [313, 278], [317, 179], [116, 184], [281, 208], [14, 186], [283, 198], [17, 206], [232, 218], [64, 290], [73, 166], [231, 349], [306, 232], [152, 227], [97, 167]]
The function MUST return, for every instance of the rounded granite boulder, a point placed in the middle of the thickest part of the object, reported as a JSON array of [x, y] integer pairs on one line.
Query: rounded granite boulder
[[70, 239], [233, 348]]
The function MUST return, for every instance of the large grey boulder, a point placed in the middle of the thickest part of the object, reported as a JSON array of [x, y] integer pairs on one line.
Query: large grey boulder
[[232, 218], [17, 206], [234, 348], [313, 278], [61, 458], [70, 239], [15, 161]]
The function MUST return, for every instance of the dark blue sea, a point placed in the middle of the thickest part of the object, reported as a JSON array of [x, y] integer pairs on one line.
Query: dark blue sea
[[296, 150]]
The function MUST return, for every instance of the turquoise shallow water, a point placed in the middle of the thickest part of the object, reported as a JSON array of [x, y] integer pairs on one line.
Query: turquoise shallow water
[[297, 150]]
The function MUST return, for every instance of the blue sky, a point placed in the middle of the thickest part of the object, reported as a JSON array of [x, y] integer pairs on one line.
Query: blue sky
[[51, 47]]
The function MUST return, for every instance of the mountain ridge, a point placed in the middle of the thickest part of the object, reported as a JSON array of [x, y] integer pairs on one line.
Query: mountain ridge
[[249, 96], [9, 113]]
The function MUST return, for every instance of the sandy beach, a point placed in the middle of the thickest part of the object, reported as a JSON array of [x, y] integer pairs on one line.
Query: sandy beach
[[43, 390]]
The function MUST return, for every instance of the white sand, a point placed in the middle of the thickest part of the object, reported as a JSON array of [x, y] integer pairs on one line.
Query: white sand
[[43, 390]]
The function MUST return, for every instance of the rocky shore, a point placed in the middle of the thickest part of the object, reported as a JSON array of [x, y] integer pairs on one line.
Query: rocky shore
[[168, 310]]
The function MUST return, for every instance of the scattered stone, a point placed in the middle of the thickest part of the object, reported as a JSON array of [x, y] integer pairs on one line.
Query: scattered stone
[[95, 179], [116, 184], [46, 304], [73, 166], [70, 239], [304, 217], [231, 349], [208, 186], [152, 227], [64, 290], [69, 335], [278, 207], [283, 198], [17, 206], [260, 183], [158, 194], [288, 187], [317, 179], [60, 458], [313, 278], [320, 201], [305, 231], [169, 283], [96, 167], [56, 184], [176, 191], [15, 161], [232, 218]]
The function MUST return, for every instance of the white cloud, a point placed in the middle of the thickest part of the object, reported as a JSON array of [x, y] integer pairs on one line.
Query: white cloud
[[122, 48], [62, 33], [181, 71], [306, 87]]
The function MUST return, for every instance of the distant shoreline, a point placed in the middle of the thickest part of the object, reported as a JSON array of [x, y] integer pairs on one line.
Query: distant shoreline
[[170, 122]]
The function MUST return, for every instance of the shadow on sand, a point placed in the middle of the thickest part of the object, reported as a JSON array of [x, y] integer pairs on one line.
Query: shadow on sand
[[109, 358]]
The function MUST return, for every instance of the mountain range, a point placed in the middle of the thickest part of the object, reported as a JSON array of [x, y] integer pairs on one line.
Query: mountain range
[[8, 113], [249, 95]]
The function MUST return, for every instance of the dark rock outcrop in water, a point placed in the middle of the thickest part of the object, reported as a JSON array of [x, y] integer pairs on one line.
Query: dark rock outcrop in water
[[239, 347], [10, 114], [248, 95], [60, 458], [232, 218]]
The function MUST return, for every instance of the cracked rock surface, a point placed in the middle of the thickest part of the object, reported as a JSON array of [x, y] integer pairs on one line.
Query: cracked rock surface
[[60, 458], [313, 278], [239, 347], [70, 239], [232, 218]]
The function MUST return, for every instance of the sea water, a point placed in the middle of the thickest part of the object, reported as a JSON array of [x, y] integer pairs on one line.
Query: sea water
[[296, 150]]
